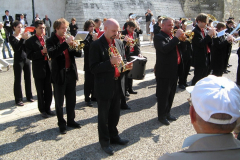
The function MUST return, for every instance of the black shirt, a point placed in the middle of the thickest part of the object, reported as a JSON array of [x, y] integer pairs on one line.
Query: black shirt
[[148, 17]]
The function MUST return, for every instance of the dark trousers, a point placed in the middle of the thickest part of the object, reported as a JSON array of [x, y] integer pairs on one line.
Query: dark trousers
[[68, 89], [128, 82], [166, 88], [238, 70], [44, 92], [9, 31], [184, 73], [88, 85], [108, 116], [18, 67], [199, 73]]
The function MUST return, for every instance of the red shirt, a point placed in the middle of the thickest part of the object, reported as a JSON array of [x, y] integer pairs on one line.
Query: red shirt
[[178, 54], [97, 30], [65, 52], [130, 35], [40, 38], [116, 74], [208, 49]]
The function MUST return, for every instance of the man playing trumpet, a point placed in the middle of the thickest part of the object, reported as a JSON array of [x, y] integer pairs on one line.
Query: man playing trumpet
[[64, 73]]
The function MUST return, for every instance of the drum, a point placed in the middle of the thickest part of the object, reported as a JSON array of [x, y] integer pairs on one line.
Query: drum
[[138, 70]]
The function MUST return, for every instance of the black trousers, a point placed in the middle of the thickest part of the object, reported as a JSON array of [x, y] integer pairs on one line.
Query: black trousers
[[18, 67], [199, 73], [88, 86], [238, 70], [68, 89], [166, 88], [128, 82], [108, 116], [44, 92], [183, 70], [9, 31]]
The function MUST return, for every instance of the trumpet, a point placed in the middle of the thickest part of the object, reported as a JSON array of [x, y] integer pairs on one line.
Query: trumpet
[[114, 52], [186, 36], [76, 45], [130, 42]]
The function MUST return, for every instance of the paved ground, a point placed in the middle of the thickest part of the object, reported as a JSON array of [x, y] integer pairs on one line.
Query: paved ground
[[26, 135]]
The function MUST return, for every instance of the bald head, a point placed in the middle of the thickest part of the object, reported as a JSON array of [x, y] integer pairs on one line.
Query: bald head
[[111, 27]]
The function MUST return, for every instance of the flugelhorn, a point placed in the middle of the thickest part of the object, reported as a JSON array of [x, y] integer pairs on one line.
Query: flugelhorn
[[76, 43]]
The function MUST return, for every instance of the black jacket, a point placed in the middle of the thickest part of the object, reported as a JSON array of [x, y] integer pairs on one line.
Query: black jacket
[[33, 49], [88, 40], [219, 52], [199, 45], [156, 29], [55, 51], [73, 29], [166, 61], [102, 68], [5, 22], [127, 48], [18, 48]]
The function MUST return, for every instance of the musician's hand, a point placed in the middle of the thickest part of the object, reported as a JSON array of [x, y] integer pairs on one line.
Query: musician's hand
[[230, 38], [44, 50], [140, 55], [115, 59], [129, 65], [25, 35], [95, 37], [212, 32], [69, 40], [179, 33]]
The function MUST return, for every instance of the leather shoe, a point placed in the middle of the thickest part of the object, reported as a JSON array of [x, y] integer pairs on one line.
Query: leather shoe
[[30, 100], [74, 125], [186, 85], [228, 71], [119, 141], [225, 71], [50, 113], [20, 103], [126, 107], [229, 65], [171, 118], [89, 104], [63, 130], [127, 94], [132, 91], [164, 121], [182, 86], [108, 150], [44, 115], [189, 73]]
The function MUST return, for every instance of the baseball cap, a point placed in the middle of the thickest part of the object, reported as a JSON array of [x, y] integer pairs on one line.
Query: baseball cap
[[213, 95]]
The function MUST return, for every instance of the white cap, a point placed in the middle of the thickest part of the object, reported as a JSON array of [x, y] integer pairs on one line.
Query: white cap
[[213, 95]]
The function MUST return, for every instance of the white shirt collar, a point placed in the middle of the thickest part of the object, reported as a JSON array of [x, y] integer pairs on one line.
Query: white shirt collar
[[190, 140]]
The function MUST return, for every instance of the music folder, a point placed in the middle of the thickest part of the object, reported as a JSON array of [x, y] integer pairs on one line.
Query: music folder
[[81, 35]]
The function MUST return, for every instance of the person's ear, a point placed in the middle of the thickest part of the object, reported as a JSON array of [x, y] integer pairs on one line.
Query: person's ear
[[192, 114]]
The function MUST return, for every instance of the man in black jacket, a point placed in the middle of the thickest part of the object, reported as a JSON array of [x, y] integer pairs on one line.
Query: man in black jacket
[[108, 84], [157, 26], [8, 20], [48, 25], [167, 61], [37, 52], [64, 73], [201, 44], [229, 25]]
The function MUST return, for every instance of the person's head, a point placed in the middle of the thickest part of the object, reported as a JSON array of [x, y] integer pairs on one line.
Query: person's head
[[1, 25], [89, 26], [36, 14], [73, 20], [46, 16], [97, 22], [167, 25], [209, 22], [177, 23], [131, 26], [7, 12], [230, 23], [220, 26], [16, 26], [202, 20], [160, 22], [21, 16], [130, 15], [184, 27], [39, 27], [60, 26], [111, 28], [153, 20], [148, 10], [215, 105]]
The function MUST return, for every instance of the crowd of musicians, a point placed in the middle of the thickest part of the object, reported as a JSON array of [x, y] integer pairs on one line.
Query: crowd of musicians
[[53, 64]]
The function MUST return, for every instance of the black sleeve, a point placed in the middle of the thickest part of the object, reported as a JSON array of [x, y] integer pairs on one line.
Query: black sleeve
[[16, 44], [165, 47], [55, 50], [31, 53]]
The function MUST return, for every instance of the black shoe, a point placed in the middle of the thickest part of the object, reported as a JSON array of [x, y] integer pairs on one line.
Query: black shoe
[[93, 99], [189, 73], [108, 150], [30, 100], [132, 91], [186, 85], [164, 121], [89, 104], [171, 118], [225, 71], [20, 103], [126, 107], [50, 113], [229, 65], [127, 94], [181, 86], [119, 141], [44, 115], [63, 130], [228, 71], [74, 125]]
